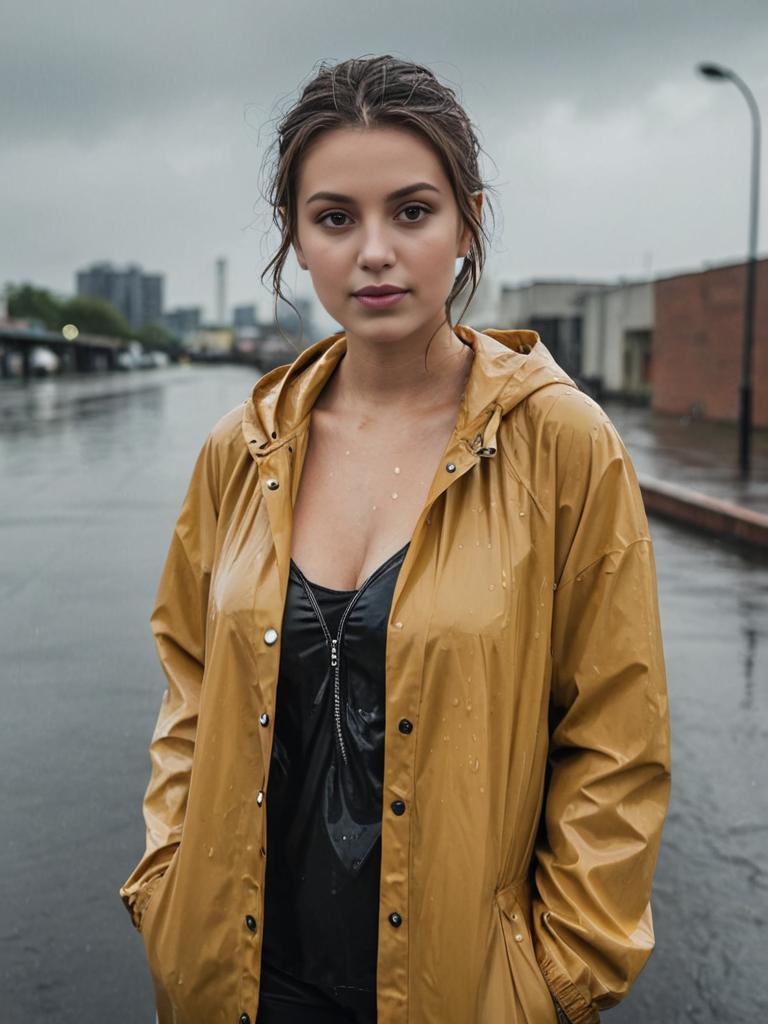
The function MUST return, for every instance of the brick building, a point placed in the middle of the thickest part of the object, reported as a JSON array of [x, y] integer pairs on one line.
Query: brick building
[[697, 343]]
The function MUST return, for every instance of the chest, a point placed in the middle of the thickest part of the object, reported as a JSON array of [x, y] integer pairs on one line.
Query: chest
[[360, 495]]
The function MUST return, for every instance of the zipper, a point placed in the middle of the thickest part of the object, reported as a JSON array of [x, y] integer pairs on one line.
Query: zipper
[[334, 644]]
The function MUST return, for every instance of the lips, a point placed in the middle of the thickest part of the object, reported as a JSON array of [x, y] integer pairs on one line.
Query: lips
[[380, 299], [380, 289]]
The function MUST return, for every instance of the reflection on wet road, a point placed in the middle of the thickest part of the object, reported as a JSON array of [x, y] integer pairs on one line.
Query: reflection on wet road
[[93, 472]]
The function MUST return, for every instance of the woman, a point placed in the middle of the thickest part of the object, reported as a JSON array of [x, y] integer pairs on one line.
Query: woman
[[409, 616]]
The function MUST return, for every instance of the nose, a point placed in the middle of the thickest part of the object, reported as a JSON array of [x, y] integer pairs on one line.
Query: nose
[[376, 250]]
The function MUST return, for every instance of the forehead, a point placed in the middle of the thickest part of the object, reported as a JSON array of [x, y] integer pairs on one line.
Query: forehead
[[367, 161]]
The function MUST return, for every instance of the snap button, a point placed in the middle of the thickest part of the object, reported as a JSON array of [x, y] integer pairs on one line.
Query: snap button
[[264, 718], [398, 807], [262, 851], [272, 484], [405, 725], [395, 920], [270, 636], [260, 797], [244, 1019], [451, 467], [398, 624], [251, 922], [518, 937]]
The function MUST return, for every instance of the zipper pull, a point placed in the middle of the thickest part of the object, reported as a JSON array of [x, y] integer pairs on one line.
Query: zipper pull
[[334, 658]]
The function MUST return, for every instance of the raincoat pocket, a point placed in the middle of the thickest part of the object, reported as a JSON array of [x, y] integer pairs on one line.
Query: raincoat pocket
[[537, 1003], [152, 910]]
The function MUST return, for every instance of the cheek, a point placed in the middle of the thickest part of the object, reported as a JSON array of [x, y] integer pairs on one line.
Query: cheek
[[433, 257]]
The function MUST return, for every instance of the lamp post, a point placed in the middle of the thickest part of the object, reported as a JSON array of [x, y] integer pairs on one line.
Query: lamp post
[[721, 73]]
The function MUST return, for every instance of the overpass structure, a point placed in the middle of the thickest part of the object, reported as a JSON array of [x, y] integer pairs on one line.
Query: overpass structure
[[84, 354]]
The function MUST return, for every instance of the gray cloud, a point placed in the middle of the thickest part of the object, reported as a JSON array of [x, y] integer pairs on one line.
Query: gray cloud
[[135, 131]]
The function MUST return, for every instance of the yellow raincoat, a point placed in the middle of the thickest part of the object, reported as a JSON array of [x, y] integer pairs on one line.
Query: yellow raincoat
[[526, 701]]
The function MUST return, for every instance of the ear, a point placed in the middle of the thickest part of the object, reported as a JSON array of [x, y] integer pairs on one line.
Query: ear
[[296, 245], [299, 254], [465, 241]]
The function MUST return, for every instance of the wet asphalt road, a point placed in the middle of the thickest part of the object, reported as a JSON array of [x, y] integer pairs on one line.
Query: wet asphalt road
[[93, 471]]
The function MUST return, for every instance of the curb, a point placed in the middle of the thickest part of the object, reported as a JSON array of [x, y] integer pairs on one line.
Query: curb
[[703, 512]]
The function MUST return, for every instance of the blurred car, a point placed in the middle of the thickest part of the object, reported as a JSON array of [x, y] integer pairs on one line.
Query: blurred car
[[153, 360], [43, 362]]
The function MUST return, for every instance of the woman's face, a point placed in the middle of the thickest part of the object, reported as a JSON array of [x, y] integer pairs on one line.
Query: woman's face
[[353, 230]]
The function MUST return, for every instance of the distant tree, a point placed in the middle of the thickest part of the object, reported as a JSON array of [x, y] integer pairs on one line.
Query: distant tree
[[90, 316], [27, 302], [95, 316], [154, 336]]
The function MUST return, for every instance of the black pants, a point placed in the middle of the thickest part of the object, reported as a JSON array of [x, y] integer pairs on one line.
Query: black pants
[[284, 1000]]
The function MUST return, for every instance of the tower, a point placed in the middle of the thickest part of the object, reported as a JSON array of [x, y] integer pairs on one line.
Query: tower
[[221, 291]]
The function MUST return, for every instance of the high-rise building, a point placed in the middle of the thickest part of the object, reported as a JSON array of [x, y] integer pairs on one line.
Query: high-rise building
[[183, 319], [138, 296], [245, 316]]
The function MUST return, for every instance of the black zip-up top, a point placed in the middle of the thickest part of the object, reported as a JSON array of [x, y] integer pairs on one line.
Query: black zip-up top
[[324, 796]]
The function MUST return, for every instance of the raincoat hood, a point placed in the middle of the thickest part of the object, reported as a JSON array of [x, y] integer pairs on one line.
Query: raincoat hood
[[513, 364]]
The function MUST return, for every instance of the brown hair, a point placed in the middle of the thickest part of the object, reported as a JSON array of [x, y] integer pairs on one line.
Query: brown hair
[[372, 92]]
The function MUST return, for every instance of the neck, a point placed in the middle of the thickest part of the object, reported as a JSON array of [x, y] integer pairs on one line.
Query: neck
[[390, 377]]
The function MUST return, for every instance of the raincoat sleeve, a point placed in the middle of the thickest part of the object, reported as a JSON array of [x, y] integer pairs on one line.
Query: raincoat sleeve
[[608, 777], [178, 623]]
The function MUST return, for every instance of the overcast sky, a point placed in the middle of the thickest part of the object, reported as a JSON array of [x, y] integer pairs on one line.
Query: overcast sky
[[135, 131]]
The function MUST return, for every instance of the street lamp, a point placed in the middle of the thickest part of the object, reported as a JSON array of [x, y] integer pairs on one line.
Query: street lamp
[[721, 73]]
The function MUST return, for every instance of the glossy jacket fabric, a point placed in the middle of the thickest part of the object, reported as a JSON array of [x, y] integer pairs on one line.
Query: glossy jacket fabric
[[526, 708]]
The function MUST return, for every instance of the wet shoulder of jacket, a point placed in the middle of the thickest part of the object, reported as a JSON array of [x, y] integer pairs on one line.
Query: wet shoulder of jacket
[[599, 504]]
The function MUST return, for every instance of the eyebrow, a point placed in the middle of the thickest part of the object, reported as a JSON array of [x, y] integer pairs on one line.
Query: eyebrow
[[337, 197]]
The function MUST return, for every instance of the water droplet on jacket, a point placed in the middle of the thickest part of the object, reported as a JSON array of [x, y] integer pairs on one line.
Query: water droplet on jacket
[[474, 736], [455, 702], [446, 737], [461, 546], [475, 765], [373, 508], [491, 586], [397, 469], [210, 851], [522, 513], [536, 636], [482, 789], [394, 495], [347, 452]]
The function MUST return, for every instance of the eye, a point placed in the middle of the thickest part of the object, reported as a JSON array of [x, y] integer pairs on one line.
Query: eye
[[332, 213], [417, 207]]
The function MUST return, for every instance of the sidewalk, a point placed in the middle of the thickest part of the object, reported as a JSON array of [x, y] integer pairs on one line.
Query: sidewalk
[[688, 471]]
